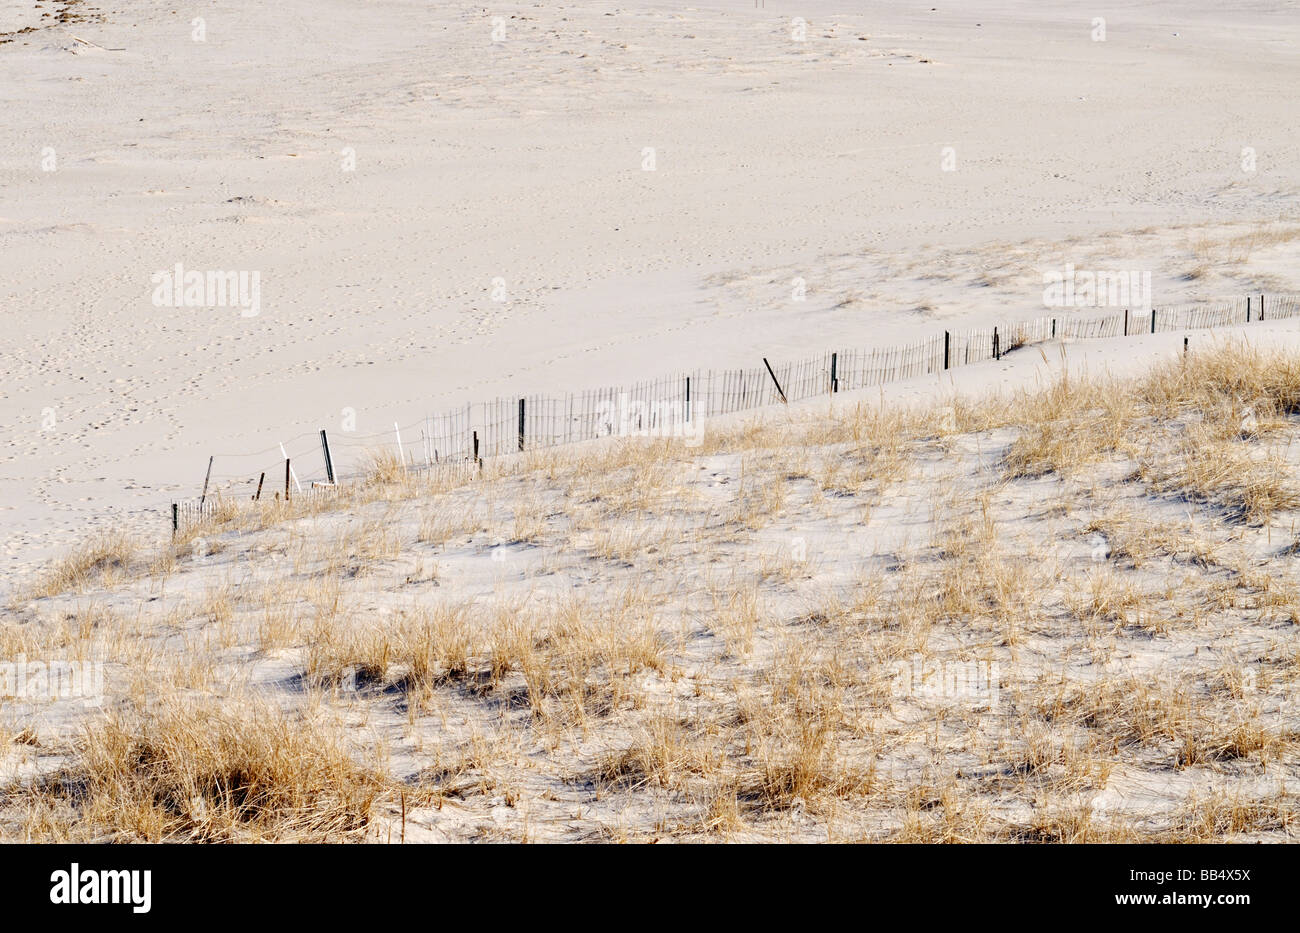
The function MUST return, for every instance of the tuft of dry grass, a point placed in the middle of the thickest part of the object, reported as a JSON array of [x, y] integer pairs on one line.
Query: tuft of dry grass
[[238, 772], [1072, 424], [666, 755], [1249, 484], [101, 561]]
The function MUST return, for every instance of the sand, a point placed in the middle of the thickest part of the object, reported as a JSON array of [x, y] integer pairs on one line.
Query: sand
[[522, 161]]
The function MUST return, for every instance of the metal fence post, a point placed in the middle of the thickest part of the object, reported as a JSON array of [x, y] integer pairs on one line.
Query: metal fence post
[[329, 464]]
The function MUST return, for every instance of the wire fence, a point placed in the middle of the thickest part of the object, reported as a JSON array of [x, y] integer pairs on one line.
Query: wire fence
[[455, 443]]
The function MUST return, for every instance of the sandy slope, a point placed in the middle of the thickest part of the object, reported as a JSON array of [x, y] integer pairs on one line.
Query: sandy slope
[[770, 636], [523, 160]]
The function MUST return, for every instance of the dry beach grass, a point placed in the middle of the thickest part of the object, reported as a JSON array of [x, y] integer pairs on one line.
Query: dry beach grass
[[1060, 616]]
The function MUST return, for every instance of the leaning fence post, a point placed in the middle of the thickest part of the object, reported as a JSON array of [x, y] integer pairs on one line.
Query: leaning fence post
[[774, 382], [204, 497], [285, 454], [329, 464], [260, 480], [521, 424]]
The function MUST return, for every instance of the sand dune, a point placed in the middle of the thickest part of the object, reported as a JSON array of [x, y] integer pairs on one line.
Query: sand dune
[[522, 161]]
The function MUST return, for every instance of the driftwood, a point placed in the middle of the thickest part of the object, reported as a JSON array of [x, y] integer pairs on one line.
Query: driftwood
[[96, 45]]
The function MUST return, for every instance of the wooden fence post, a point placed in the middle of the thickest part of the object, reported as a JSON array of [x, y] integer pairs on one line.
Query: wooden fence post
[[1261, 306], [260, 481], [329, 464], [997, 355], [203, 498], [176, 517], [1153, 320], [774, 382], [284, 453], [287, 470], [835, 375], [521, 424], [1247, 309], [1126, 322], [688, 399], [947, 348]]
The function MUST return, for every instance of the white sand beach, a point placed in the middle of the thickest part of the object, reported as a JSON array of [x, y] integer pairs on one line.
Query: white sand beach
[[522, 160]]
